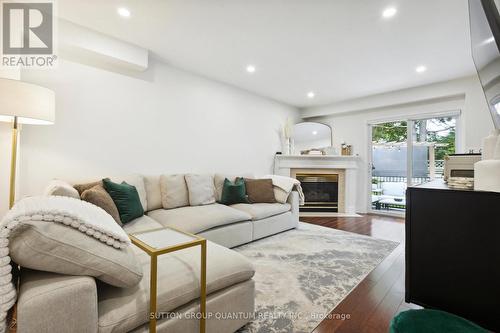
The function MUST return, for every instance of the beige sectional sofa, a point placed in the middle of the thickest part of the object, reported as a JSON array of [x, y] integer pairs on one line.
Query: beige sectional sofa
[[229, 226], [52, 302]]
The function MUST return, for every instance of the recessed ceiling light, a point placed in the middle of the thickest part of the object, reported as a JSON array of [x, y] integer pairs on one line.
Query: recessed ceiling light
[[251, 69], [389, 12], [420, 69], [123, 12], [315, 132], [311, 94]]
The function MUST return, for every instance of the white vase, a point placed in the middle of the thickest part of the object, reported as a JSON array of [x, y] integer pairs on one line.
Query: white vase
[[490, 144], [287, 146], [487, 176]]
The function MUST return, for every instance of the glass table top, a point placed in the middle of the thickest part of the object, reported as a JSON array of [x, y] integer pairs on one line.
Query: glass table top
[[162, 238]]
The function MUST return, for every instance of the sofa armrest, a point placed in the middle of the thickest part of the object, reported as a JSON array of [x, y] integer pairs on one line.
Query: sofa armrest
[[293, 200], [50, 302]]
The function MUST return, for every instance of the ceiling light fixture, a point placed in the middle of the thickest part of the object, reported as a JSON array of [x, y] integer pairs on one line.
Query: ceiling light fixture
[[420, 69], [389, 12], [315, 132], [311, 94], [251, 69], [123, 12]]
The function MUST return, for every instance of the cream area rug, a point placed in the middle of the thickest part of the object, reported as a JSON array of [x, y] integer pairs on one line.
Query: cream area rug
[[302, 274]]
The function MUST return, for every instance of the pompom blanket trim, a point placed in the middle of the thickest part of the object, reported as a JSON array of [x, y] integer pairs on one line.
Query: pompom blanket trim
[[80, 215]]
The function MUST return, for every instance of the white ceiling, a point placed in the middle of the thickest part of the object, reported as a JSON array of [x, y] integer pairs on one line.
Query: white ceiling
[[340, 49]]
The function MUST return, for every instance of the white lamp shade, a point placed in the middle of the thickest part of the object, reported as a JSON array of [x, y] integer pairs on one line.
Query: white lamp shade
[[32, 104]]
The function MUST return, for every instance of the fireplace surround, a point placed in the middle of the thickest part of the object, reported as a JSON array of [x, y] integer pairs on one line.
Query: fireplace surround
[[345, 167]]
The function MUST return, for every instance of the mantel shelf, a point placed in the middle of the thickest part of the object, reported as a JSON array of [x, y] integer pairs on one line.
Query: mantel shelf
[[321, 157], [317, 161]]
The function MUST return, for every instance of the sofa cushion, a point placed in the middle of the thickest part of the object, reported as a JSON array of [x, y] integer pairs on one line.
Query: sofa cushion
[[140, 224], [86, 186], [137, 181], [195, 219], [219, 182], [98, 196], [260, 211], [121, 310], [61, 188], [126, 199], [44, 296], [54, 247], [234, 192], [132, 179], [260, 190], [153, 192], [201, 189], [174, 191]]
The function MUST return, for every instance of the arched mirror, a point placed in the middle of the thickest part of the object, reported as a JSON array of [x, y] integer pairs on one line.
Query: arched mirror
[[311, 136]]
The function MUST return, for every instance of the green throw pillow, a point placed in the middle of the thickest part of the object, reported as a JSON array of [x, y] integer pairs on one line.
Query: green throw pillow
[[126, 199], [233, 193]]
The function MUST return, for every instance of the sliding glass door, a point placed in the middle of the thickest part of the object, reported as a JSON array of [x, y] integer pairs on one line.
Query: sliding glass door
[[432, 140], [389, 167], [404, 153]]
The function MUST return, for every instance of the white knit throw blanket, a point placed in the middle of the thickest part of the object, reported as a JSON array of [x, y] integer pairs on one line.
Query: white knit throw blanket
[[78, 214], [287, 184]]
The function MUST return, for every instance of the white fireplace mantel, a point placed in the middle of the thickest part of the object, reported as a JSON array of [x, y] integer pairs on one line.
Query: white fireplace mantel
[[284, 165]]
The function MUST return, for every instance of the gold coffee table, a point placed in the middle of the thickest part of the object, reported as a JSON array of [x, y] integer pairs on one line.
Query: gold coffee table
[[160, 241]]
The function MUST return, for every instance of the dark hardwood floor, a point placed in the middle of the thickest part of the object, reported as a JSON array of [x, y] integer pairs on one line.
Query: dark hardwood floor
[[380, 296]]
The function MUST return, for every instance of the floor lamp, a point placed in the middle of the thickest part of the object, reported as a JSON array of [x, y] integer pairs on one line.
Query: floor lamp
[[23, 103]]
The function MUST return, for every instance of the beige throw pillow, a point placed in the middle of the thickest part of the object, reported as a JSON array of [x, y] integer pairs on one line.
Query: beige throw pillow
[[174, 191], [98, 196], [54, 247], [61, 188], [153, 191], [201, 189]]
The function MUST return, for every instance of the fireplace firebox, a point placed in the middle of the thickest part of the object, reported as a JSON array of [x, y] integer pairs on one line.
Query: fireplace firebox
[[321, 192]]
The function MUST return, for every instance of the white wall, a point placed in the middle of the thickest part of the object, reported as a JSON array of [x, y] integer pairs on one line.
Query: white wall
[[349, 120], [162, 120]]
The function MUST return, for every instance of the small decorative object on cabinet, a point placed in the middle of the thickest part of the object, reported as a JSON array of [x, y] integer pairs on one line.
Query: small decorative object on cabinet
[[460, 165], [487, 171], [489, 144]]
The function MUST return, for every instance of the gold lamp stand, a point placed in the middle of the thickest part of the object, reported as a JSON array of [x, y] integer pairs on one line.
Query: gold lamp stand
[[13, 164], [25, 103]]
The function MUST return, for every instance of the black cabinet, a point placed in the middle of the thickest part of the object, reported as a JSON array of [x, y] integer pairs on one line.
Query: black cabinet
[[453, 251]]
